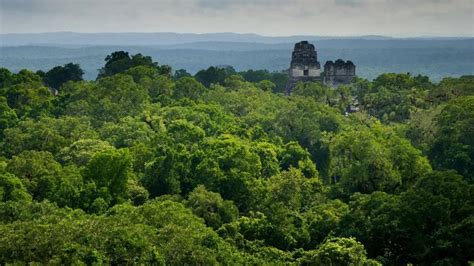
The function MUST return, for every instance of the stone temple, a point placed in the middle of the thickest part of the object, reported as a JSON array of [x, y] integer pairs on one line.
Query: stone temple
[[305, 67], [338, 72]]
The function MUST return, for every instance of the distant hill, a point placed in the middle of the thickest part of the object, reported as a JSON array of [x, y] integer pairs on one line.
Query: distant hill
[[160, 38], [373, 55]]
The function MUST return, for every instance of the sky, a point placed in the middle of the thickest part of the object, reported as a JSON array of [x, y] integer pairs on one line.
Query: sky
[[400, 18]]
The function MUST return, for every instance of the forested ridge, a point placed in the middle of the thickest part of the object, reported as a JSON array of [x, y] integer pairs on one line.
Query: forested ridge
[[434, 58], [146, 165]]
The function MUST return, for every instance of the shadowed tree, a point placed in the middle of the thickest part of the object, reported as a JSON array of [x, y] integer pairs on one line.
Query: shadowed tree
[[120, 61], [58, 75]]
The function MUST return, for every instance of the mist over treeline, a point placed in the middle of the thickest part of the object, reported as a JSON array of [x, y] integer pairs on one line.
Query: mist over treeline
[[373, 55]]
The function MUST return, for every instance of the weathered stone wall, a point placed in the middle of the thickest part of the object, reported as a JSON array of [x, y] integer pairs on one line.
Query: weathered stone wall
[[300, 72], [316, 72], [304, 55], [339, 72]]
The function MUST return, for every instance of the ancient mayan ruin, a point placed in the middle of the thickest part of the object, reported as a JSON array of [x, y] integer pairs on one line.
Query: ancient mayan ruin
[[338, 72], [306, 67]]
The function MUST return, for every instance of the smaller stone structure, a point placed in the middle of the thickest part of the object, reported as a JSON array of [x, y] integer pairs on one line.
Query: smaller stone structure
[[339, 72]]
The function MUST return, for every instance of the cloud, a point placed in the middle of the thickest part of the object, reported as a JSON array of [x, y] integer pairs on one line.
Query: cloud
[[26, 6], [270, 17], [227, 4], [351, 3]]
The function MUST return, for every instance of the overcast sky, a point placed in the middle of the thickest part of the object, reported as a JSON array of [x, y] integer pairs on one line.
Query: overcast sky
[[267, 17]]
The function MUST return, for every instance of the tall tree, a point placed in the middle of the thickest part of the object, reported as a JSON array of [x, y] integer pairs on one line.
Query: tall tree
[[453, 146], [58, 75], [214, 75], [120, 61]]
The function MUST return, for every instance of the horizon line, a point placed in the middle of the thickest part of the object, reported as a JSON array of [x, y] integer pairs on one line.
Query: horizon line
[[248, 33]]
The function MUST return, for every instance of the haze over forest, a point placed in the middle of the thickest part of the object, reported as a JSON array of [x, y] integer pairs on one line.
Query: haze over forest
[[373, 55], [196, 34]]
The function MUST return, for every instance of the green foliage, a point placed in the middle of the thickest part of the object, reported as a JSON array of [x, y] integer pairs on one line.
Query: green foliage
[[453, 144], [30, 98], [5, 77], [338, 251], [211, 207], [367, 160], [236, 82], [451, 88], [139, 167], [188, 87], [58, 75], [295, 156], [266, 85], [181, 73], [167, 173], [109, 99], [261, 77], [141, 72], [230, 165], [305, 121], [422, 127], [323, 220], [160, 88], [109, 172], [11, 188], [394, 97], [417, 226], [268, 154], [81, 151], [316, 90], [155, 233], [127, 132], [38, 171], [214, 75], [402, 81], [8, 117], [46, 134], [120, 62], [8, 78], [287, 195]]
